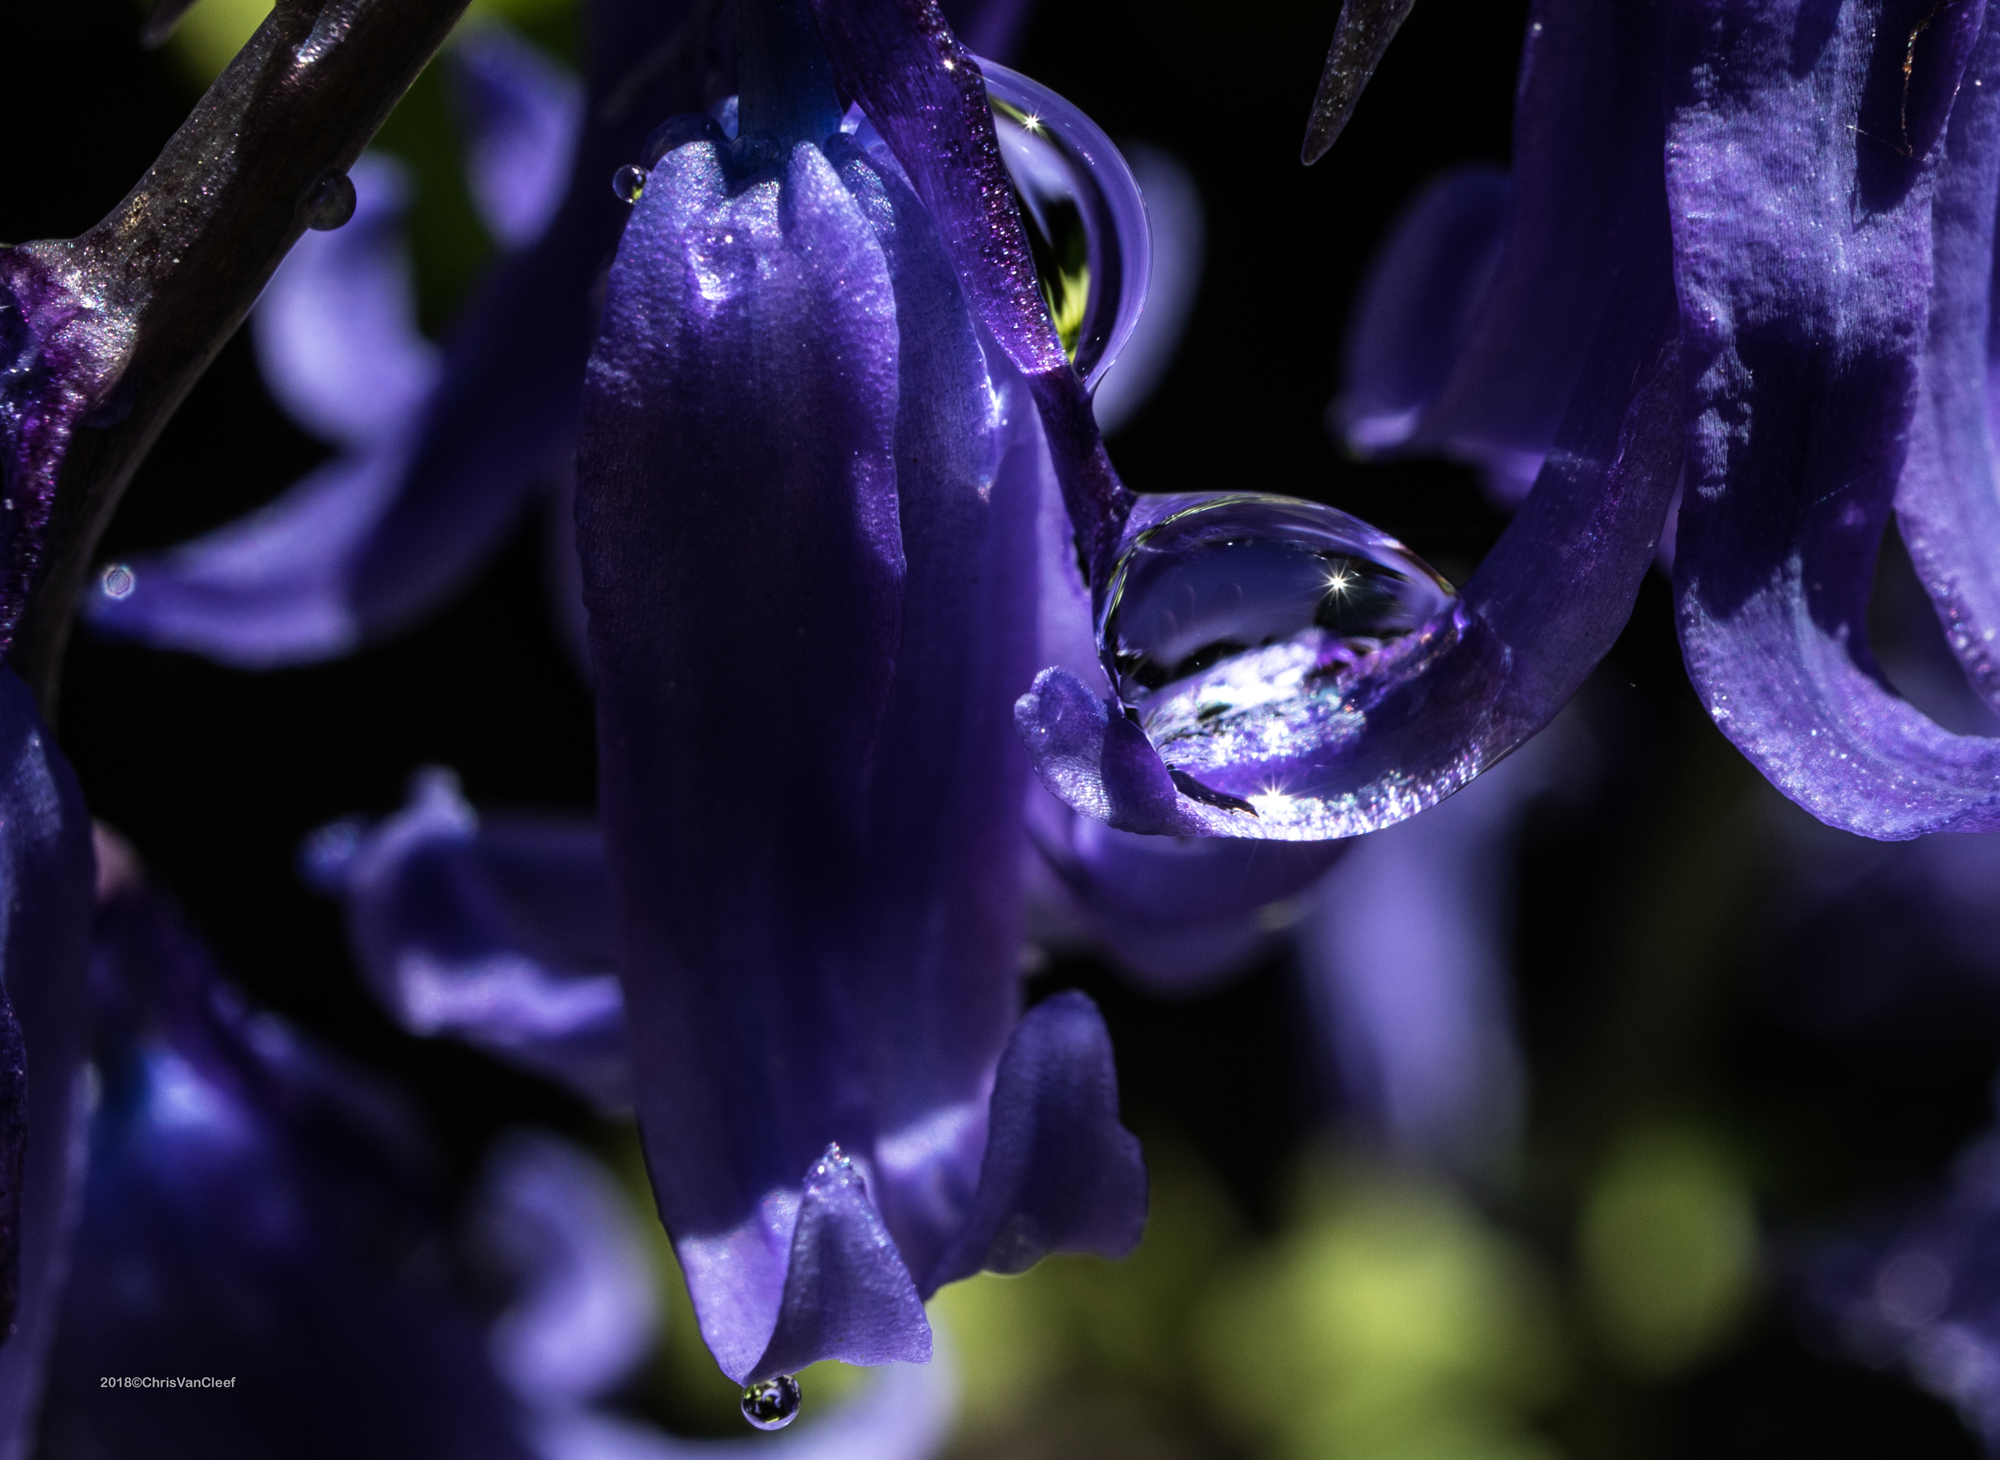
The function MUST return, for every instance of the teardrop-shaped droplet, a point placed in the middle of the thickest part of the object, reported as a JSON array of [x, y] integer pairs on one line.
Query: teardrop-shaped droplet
[[1250, 636], [327, 202], [628, 184], [1086, 221], [771, 1404]]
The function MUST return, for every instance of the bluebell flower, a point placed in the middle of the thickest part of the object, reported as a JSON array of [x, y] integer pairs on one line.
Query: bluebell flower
[[806, 515], [1828, 174]]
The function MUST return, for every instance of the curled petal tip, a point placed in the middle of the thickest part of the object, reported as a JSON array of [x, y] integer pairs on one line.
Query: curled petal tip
[[1359, 41]]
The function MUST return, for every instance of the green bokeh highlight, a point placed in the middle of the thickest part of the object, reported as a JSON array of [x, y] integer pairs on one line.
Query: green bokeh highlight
[[1667, 1249], [1390, 1319]]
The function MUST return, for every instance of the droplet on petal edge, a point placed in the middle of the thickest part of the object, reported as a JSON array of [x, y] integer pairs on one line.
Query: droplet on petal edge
[[1086, 221], [328, 201], [771, 1404], [1250, 636], [118, 581], [628, 184]]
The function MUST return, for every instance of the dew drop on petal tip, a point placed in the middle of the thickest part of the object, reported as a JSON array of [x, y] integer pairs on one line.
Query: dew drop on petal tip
[[628, 184], [1249, 636], [119, 581], [771, 1404]]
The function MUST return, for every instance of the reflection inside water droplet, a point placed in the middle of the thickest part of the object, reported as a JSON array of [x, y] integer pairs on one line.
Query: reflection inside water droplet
[[771, 1404], [1250, 636], [119, 581], [628, 184], [1086, 223]]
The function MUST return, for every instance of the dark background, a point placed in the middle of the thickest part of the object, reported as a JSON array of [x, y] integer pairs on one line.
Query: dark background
[[1636, 941]]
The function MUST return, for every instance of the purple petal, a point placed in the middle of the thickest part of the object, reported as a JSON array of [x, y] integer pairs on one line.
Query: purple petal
[[268, 590], [848, 1295], [1060, 1173], [1543, 608], [1174, 213], [585, 1310], [1533, 621], [60, 356], [254, 1211], [1099, 762], [46, 890], [1180, 913], [1405, 958], [1418, 302], [336, 329], [500, 933], [1802, 386], [522, 114], [990, 27], [1586, 130], [734, 813], [1947, 504], [923, 91]]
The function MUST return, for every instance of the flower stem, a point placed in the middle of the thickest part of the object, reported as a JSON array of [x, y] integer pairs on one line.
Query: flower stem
[[785, 82], [187, 252]]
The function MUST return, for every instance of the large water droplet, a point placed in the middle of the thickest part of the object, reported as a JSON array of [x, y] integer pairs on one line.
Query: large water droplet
[[1086, 221], [771, 1404], [1250, 635], [628, 184], [119, 580]]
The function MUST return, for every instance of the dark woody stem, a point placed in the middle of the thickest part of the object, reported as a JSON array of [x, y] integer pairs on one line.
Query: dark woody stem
[[187, 252]]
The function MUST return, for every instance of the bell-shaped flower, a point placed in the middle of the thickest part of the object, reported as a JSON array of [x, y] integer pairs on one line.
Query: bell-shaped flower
[[806, 510]]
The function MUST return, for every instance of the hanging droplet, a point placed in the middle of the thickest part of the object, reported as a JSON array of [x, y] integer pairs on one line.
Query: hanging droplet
[[771, 1404], [628, 184], [327, 202], [1086, 222], [119, 581], [1250, 636]]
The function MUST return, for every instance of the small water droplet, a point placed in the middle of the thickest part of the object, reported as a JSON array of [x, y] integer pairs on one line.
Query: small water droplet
[[628, 184], [327, 202], [1248, 633], [119, 581], [1086, 223], [771, 1404]]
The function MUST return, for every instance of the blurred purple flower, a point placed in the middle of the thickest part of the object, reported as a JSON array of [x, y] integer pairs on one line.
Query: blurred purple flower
[[1920, 1293], [439, 450], [258, 1213]]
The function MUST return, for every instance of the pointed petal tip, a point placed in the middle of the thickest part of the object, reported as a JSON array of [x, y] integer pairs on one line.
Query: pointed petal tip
[[1359, 42]]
